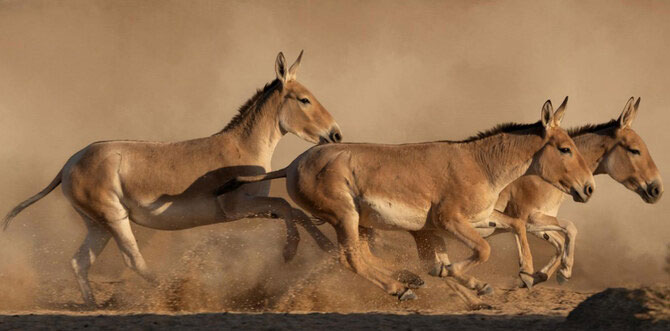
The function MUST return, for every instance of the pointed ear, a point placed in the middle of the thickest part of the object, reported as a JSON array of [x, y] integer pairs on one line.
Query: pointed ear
[[280, 68], [547, 114], [637, 103], [628, 114], [558, 115], [294, 67]]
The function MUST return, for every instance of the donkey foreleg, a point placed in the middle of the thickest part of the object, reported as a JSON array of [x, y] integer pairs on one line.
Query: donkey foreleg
[[464, 231], [542, 222], [518, 227], [555, 239], [237, 206]]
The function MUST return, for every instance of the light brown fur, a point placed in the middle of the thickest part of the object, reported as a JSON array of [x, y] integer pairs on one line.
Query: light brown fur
[[612, 148], [170, 186], [530, 204], [438, 187]]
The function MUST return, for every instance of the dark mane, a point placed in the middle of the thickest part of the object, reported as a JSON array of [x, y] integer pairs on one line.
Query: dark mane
[[502, 128], [252, 107], [591, 128]]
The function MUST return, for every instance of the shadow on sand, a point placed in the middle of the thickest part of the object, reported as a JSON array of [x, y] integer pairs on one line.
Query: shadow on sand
[[282, 321]]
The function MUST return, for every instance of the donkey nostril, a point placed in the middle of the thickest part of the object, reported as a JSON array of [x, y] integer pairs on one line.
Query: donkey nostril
[[588, 190], [336, 137], [654, 191]]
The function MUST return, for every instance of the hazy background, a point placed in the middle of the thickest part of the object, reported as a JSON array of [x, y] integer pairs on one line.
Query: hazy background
[[74, 72]]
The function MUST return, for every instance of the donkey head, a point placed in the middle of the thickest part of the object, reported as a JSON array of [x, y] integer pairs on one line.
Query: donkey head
[[629, 162], [300, 113], [559, 162]]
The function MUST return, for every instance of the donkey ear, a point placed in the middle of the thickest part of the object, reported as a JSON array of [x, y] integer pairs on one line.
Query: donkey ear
[[294, 67], [628, 114], [547, 114], [637, 104], [558, 115], [280, 68]]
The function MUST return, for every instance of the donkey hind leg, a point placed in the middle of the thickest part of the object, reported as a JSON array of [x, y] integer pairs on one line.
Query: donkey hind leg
[[96, 239], [432, 251], [464, 231], [347, 237], [123, 235], [367, 238]]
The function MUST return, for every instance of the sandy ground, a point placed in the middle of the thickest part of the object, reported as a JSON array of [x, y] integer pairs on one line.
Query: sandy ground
[[539, 309], [512, 309], [216, 283]]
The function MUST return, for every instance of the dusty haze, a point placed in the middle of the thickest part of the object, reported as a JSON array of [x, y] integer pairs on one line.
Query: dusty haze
[[81, 71]]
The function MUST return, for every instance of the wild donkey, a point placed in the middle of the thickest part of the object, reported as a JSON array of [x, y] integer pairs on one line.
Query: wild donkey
[[170, 186], [441, 187], [612, 148], [530, 204]]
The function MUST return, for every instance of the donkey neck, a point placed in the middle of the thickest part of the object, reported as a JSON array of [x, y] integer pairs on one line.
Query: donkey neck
[[593, 146], [256, 131], [506, 156]]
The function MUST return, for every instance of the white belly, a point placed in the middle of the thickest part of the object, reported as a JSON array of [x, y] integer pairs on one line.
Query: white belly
[[386, 214]]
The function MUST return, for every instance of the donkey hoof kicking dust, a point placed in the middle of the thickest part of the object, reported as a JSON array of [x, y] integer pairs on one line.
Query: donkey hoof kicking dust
[[435, 188], [171, 186]]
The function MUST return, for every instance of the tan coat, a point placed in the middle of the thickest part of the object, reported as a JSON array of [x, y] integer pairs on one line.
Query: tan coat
[[170, 186], [440, 187]]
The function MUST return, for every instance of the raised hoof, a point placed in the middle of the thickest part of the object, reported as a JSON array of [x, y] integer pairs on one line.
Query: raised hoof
[[480, 306], [561, 279], [486, 290], [539, 277], [407, 295], [407, 277], [527, 280]]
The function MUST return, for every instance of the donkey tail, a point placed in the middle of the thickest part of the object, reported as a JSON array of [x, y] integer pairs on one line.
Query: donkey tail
[[23, 205], [238, 181]]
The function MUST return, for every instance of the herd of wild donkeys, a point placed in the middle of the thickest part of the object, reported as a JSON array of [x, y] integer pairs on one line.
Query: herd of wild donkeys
[[510, 178]]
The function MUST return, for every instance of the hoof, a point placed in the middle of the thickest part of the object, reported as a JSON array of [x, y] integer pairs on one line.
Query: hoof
[[539, 277], [407, 277], [436, 271], [480, 306], [407, 295], [439, 271], [486, 290], [561, 279], [527, 279]]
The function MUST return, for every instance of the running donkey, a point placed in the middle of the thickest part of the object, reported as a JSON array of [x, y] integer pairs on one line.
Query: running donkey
[[170, 186], [441, 187], [612, 148]]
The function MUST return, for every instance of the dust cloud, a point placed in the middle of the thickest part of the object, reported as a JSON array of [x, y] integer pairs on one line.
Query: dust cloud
[[389, 71]]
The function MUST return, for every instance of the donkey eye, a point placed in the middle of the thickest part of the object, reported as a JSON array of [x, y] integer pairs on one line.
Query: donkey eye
[[634, 151], [304, 101], [564, 150]]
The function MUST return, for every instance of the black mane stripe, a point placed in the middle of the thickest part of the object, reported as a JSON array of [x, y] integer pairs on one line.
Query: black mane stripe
[[501, 128], [252, 106], [591, 128], [516, 127]]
